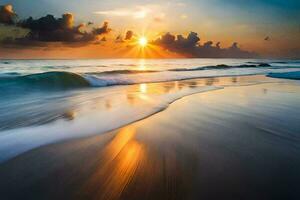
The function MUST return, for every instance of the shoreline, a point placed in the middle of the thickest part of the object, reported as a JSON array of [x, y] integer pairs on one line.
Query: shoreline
[[199, 85], [193, 142]]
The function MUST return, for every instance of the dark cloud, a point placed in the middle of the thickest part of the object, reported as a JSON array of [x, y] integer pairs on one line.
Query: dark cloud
[[51, 29], [191, 46], [208, 44], [168, 39], [119, 39], [102, 30], [7, 14], [129, 35]]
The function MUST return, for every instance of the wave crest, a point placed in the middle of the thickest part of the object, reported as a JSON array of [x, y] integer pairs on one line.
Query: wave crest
[[48, 79], [125, 71]]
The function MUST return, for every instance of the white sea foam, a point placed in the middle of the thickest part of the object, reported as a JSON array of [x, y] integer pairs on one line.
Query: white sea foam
[[99, 80], [16, 141]]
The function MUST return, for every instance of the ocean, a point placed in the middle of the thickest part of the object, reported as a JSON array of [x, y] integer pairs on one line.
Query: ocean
[[47, 101]]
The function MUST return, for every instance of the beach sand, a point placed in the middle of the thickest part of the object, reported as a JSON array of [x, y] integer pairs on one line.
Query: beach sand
[[240, 142]]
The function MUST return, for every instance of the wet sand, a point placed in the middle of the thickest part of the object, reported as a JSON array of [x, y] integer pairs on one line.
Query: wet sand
[[241, 142]]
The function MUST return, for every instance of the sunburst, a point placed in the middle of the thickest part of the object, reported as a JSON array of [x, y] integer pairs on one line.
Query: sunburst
[[143, 41]]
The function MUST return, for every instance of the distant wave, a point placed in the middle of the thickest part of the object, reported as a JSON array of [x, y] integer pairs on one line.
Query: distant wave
[[57, 67], [263, 64], [288, 62], [9, 74], [222, 66], [127, 65], [126, 71], [280, 62], [276, 62], [286, 75]]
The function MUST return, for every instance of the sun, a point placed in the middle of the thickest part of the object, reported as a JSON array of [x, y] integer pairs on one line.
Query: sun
[[143, 41]]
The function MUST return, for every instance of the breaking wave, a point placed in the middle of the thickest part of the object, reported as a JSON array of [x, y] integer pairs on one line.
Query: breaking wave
[[69, 80], [47, 79]]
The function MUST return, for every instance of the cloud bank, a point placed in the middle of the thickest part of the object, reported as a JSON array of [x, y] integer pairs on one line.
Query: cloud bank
[[49, 29], [190, 46]]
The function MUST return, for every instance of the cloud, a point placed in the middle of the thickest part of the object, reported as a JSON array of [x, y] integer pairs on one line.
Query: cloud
[[11, 31], [208, 44], [119, 39], [102, 30], [67, 20], [129, 35], [7, 14], [137, 12], [166, 39], [160, 17], [191, 47], [51, 29]]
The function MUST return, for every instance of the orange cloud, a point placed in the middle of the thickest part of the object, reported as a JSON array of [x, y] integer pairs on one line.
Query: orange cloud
[[7, 14]]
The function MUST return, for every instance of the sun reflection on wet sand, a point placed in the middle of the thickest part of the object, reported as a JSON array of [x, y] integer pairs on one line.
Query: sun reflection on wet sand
[[121, 158], [143, 93], [143, 88], [174, 154]]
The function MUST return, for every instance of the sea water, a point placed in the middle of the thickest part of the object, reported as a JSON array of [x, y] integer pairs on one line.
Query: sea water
[[46, 101]]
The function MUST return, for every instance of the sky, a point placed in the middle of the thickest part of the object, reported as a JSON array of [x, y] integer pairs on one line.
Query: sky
[[266, 28]]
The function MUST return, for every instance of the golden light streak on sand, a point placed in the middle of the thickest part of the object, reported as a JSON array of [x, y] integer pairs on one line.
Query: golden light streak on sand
[[143, 88], [121, 158], [175, 154]]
